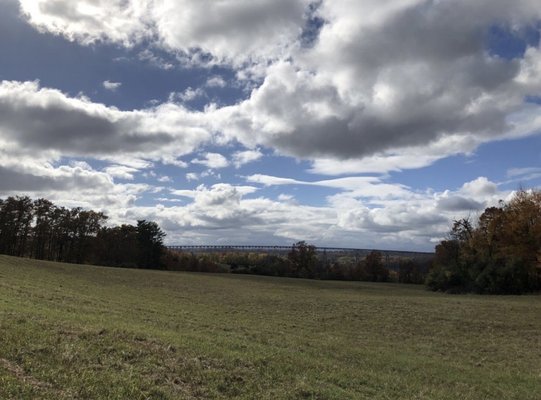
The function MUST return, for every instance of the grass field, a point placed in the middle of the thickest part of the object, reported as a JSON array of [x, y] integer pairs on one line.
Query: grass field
[[85, 332]]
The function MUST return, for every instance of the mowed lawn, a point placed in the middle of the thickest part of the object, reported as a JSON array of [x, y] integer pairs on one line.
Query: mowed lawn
[[84, 332]]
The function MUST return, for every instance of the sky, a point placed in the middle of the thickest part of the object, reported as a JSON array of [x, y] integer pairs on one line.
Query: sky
[[350, 123]]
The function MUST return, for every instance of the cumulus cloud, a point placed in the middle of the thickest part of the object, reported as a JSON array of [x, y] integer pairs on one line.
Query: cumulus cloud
[[386, 80], [121, 172], [423, 217], [219, 192], [230, 31], [397, 160], [88, 21], [380, 82], [63, 179], [165, 179], [458, 203], [76, 184], [215, 214], [286, 197], [241, 158], [34, 118], [310, 116], [148, 56], [212, 160], [218, 207], [188, 95], [394, 220], [194, 176], [403, 218], [407, 220], [364, 205], [111, 86], [479, 188], [216, 81]]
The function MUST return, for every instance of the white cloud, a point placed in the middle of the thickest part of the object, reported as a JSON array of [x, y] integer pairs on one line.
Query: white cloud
[[514, 172], [230, 30], [88, 21], [356, 186], [457, 203], [268, 180], [188, 95], [194, 176], [81, 165], [397, 160], [520, 175], [46, 120], [215, 214], [111, 86], [415, 216], [408, 220], [165, 179], [363, 206], [132, 162], [386, 81], [479, 188], [219, 190], [241, 158], [168, 200], [216, 81], [148, 56], [286, 197], [76, 184], [381, 82], [121, 171], [212, 160]]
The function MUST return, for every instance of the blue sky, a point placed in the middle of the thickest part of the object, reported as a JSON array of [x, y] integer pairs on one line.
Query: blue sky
[[347, 123]]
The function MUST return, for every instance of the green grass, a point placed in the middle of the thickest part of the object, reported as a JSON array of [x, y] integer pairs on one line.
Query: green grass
[[85, 332]]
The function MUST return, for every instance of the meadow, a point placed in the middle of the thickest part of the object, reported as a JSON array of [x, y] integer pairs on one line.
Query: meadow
[[83, 332]]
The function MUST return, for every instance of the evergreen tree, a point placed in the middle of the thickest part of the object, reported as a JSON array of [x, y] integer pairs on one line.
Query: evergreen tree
[[150, 244]]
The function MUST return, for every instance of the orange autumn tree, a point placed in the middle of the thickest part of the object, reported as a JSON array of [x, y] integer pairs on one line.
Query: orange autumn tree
[[500, 254]]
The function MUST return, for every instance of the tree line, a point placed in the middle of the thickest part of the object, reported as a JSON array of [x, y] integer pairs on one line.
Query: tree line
[[499, 253], [40, 229], [302, 261]]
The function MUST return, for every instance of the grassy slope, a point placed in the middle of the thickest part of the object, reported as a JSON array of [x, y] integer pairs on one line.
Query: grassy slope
[[84, 332]]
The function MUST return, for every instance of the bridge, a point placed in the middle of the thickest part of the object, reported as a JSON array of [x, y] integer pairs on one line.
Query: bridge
[[284, 249]]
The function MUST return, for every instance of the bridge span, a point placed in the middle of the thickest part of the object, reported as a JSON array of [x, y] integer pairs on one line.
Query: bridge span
[[284, 249]]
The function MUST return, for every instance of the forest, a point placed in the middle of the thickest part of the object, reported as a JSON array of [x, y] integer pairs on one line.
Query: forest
[[40, 229]]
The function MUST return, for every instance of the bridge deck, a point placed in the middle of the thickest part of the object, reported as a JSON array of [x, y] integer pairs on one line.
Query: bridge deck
[[287, 248]]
